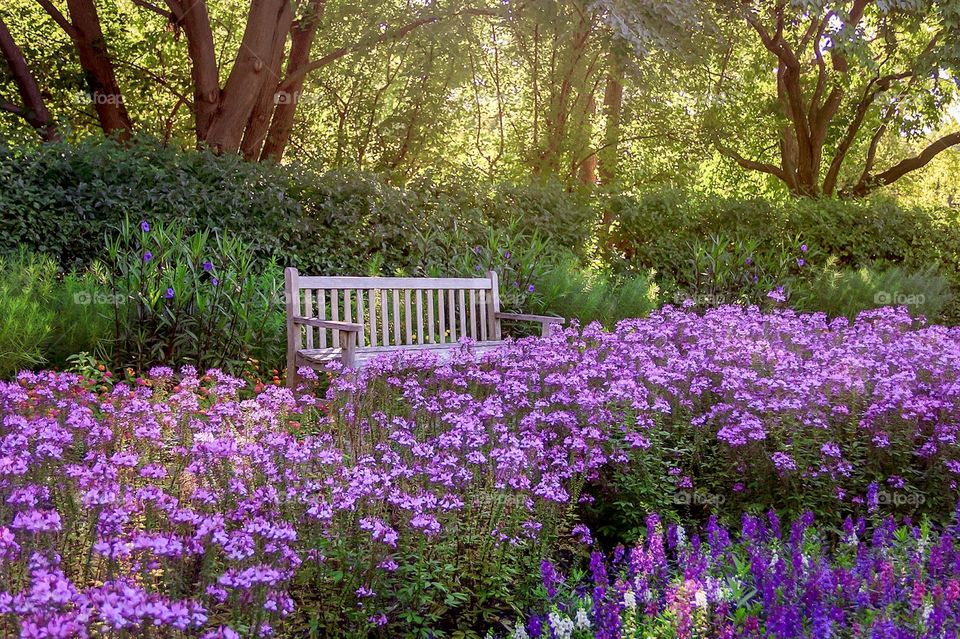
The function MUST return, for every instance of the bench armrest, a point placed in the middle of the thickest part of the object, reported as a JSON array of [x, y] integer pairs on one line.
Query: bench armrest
[[349, 327], [546, 321]]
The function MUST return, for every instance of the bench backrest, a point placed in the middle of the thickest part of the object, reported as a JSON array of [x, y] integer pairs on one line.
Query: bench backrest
[[396, 311]]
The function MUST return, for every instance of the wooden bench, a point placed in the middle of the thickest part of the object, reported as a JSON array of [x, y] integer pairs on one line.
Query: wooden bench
[[354, 319]]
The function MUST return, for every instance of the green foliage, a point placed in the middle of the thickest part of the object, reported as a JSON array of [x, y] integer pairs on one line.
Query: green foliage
[[25, 321], [665, 230], [45, 316], [62, 199], [848, 292], [191, 298], [572, 292]]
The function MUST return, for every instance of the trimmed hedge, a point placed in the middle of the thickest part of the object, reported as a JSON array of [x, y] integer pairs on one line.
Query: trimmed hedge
[[656, 230], [62, 199]]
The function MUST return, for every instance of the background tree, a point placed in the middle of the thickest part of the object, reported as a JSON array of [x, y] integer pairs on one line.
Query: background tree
[[807, 92]]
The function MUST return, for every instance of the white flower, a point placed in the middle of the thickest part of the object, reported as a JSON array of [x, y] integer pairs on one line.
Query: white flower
[[561, 624], [519, 632], [700, 599], [630, 600], [583, 621]]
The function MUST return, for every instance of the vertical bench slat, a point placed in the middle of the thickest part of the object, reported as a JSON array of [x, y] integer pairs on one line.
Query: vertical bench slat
[[347, 313], [322, 314], [360, 320], [419, 316], [407, 316], [494, 305], [483, 316], [384, 326], [441, 339], [396, 317], [452, 314], [463, 313], [473, 315], [430, 315], [308, 312], [372, 303], [335, 314]]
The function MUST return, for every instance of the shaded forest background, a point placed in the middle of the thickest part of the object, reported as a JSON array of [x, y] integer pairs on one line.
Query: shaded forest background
[[738, 98]]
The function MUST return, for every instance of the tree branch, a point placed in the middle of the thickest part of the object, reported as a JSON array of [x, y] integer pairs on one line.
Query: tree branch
[[59, 18], [34, 111], [907, 165], [751, 165]]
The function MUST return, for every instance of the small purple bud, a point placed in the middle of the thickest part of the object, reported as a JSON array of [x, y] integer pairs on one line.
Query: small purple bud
[[147, 256], [144, 226], [169, 294]]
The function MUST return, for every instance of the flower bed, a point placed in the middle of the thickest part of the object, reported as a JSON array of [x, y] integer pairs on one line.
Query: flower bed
[[423, 496], [771, 580]]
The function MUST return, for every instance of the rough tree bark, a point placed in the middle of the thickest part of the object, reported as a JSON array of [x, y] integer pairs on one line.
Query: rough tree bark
[[98, 68], [302, 35]]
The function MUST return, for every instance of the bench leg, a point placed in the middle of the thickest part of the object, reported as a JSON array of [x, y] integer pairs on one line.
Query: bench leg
[[348, 342], [292, 377]]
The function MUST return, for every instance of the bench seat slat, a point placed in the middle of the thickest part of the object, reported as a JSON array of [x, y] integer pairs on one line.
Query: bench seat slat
[[326, 355]]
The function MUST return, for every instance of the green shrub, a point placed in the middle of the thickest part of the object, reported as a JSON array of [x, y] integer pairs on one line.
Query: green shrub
[[848, 292], [61, 199], [572, 292], [26, 321], [656, 230], [46, 317], [190, 298]]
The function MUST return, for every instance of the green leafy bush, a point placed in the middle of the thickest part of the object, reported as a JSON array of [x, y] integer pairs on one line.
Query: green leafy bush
[[848, 292], [191, 298], [656, 230], [46, 317], [572, 292], [62, 199], [25, 320]]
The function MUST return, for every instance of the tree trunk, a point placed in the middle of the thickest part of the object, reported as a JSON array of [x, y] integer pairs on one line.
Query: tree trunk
[[251, 69], [98, 69], [267, 99], [301, 42], [34, 111], [609, 154], [195, 20]]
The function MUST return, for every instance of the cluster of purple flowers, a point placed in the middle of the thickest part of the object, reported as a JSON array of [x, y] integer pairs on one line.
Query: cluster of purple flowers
[[770, 580], [181, 502]]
